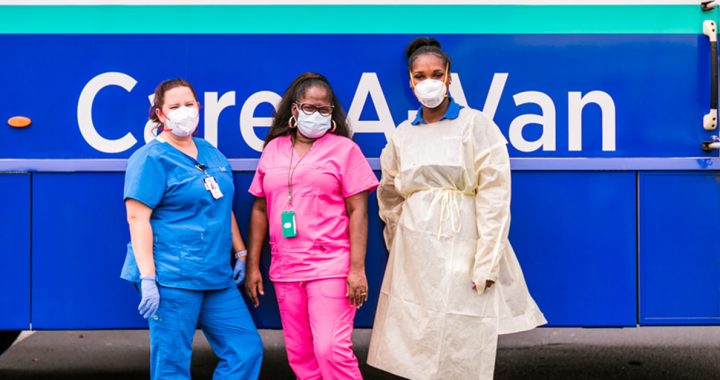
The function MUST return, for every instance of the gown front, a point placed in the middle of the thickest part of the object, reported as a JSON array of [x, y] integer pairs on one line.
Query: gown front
[[445, 199]]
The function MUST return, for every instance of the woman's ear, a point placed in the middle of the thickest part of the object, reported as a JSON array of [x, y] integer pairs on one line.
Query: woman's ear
[[160, 115]]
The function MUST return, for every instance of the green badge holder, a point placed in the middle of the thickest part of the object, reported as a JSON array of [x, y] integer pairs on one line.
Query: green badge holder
[[289, 229]]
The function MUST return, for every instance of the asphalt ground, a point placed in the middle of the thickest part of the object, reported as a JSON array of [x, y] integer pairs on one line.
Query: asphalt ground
[[548, 353]]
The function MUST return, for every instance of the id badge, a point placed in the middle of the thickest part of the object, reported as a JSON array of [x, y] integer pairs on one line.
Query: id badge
[[212, 186], [289, 229]]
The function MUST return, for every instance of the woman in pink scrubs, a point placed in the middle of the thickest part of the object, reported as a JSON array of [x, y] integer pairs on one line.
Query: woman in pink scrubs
[[311, 189]]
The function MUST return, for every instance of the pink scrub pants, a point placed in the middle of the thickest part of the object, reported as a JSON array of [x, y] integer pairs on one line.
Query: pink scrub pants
[[317, 321]]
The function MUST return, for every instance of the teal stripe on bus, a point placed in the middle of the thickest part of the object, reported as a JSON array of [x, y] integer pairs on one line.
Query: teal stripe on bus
[[353, 19]]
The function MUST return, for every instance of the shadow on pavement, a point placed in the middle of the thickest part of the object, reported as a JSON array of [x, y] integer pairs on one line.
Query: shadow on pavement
[[555, 354]]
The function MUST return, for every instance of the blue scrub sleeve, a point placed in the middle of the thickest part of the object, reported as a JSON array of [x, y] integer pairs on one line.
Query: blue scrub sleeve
[[145, 180]]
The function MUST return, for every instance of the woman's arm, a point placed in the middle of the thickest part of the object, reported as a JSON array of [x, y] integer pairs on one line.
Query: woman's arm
[[141, 235], [390, 200], [492, 208], [357, 287], [238, 248], [256, 241], [237, 241]]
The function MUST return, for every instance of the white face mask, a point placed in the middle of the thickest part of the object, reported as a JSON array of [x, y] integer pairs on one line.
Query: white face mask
[[431, 92], [313, 126], [183, 121]]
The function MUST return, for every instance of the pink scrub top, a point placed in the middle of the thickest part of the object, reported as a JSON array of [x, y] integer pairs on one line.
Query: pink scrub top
[[333, 169]]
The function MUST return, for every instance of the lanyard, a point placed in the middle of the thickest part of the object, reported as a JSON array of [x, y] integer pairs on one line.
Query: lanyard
[[195, 162], [209, 181], [202, 167], [291, 171]]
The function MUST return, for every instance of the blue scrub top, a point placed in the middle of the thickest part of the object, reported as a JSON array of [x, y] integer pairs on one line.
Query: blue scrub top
[[192, 237]]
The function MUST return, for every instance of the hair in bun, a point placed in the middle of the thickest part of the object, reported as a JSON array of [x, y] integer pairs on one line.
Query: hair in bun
[[425, 45]]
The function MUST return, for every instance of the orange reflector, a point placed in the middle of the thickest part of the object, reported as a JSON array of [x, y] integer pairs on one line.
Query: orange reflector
[[19, 121]]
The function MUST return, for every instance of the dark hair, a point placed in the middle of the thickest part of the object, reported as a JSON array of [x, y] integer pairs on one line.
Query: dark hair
[[159, 99], [296, 90], [425, 45]]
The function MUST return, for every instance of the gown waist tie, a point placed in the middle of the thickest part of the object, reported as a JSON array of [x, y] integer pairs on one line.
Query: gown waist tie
[[450, 208]]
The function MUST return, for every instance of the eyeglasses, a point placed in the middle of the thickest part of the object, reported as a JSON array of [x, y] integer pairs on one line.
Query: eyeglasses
[[310, 109]]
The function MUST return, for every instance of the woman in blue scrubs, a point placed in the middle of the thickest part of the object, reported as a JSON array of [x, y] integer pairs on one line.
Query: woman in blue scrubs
[[178, 195]]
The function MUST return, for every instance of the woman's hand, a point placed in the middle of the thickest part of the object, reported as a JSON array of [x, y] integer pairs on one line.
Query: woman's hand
[[488, 284], [254, 285], [239, 271], [150, 297], [357, 288]]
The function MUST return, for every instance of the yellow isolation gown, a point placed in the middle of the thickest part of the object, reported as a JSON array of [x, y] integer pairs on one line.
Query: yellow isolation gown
[[445, 199]]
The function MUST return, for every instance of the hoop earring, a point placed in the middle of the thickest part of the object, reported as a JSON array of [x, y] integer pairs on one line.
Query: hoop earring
[[292, 123], [334, 127]]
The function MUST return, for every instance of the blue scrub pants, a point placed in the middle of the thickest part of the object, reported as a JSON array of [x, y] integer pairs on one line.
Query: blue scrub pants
[[226, 322]]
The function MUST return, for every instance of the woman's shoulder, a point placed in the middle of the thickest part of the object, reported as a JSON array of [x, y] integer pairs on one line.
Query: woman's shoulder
[[404, 125], [340, 144], [276, 143], [403, 128], [210, 149], [201, 142], [336, 140], [481, 127], [275, 148], [475, 116], [151, 150]]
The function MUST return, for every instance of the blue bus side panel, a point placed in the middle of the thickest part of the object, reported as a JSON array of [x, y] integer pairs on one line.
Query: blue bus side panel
[[267, 315], [554, 216], [79, 239], [679, 256], [552, 67], [574, 235], [15, 252]]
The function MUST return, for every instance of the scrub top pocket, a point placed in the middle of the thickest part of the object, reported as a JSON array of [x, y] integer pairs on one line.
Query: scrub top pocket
[[182, 255]]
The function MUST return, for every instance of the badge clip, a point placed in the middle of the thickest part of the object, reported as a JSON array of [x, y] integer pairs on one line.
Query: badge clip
[[212, 186]]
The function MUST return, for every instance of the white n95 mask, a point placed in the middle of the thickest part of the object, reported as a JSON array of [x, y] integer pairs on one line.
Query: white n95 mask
[[431, 92], [183, 121], [314, 125]]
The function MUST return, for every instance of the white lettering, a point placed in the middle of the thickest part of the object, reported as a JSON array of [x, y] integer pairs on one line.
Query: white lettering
[[213, 108], [370, 86], [84, 112], [497, 86], [547, 120], [456, 90], [150, 126], [576, 103], [248, 121]]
